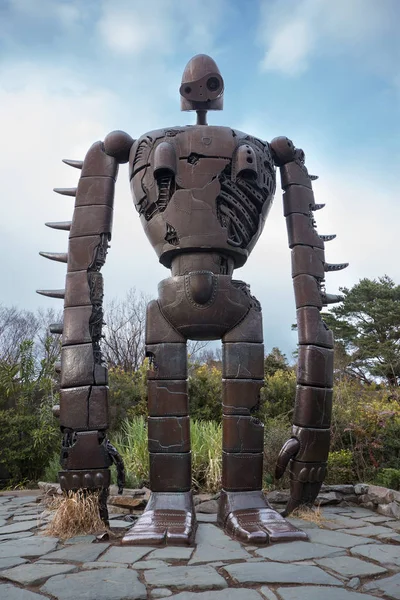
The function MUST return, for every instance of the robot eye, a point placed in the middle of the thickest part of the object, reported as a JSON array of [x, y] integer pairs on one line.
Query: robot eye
[[213, 84]]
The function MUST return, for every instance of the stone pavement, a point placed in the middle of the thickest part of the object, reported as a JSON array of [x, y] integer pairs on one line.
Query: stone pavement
[[354, 555]]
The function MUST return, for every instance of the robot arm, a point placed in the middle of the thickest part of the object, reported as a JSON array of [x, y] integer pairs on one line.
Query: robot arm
[[86, 453], [306, 452]]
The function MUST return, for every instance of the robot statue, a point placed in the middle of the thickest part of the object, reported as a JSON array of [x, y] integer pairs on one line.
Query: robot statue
[[203, 194]]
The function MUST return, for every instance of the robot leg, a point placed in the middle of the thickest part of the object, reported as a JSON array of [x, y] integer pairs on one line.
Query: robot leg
[[244, 513], [169, 517]]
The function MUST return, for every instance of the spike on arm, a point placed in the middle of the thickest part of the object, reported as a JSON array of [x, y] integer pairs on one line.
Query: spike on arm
[[78, 164], [52, 293], [61, 225], [57, 256], [65, 191], [338, 267]]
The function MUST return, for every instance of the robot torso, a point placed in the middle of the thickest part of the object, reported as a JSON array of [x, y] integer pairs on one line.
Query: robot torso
[[202, 189]]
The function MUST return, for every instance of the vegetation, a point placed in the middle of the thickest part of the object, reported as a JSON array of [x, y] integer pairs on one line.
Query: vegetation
[[365, 442]]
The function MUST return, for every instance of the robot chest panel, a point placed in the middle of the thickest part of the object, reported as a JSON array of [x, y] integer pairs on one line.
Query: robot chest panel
[[193, 155], [209, 186]]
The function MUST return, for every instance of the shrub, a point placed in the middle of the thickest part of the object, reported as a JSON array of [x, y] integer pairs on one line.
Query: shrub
[[278, 395], [277, 431], [366, 422], [127, 395], [24, 453], [389, 478], [205, 393], [340, 467]]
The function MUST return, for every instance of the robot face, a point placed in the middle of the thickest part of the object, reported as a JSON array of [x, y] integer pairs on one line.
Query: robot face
[[202, 85]]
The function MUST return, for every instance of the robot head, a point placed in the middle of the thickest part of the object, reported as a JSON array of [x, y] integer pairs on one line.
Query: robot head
[[202, 86]]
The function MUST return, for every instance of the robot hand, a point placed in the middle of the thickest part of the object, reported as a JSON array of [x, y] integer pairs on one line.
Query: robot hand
[[305, 478]]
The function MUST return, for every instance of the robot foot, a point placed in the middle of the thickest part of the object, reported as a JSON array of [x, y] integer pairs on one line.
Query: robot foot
[[248, 518], [169, 519]]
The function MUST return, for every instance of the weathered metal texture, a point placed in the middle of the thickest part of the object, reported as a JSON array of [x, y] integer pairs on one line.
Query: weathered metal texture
[[247, 517], [298, 199], [167, 361], [305, 261], [307, 291], [84, 408], [183, 264], [248, 330], [313, 406], [308, 449], [203, 194], [89, 448], [76, 328], [242, 472], [202, 305], [294, 174], [242, 434], [283, 150], [118, 144], [301, 231], [74, 408], [84, 478], [99, 164], [228, 207], [169, 519], [315, 366], [314, 443], [167, 398], [96, 220], [158, 329], [243, 361], [79, 367], [169, 434], [312, 329], [77, 290], [202, 85], [241, 396], [95, 191], [170, 472]]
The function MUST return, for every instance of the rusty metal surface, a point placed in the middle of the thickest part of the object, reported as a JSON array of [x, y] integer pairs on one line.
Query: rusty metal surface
[[203, 194]]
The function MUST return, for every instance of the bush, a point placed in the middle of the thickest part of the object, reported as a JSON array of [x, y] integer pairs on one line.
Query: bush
[[366, 422], [389, 478], [127, 395], [205, 393], [340, 467], [277, 432], [25, 451], [278, 395]]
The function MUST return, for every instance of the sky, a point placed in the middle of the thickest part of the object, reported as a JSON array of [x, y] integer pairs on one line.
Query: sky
[[325, 74]]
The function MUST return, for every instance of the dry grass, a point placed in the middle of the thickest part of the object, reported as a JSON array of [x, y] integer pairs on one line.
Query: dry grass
[[312, 515], [75, 514]]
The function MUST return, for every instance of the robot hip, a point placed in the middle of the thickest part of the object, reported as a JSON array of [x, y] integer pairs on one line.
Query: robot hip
[[203, 305]]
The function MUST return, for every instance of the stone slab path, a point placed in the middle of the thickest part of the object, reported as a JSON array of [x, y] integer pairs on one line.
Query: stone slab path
[[353, 555]]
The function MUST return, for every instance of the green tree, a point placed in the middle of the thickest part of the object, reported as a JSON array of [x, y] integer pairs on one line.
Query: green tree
[[205, 393], [275, 361], [366, 326]]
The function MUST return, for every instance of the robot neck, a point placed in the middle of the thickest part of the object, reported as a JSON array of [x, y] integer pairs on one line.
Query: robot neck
[[201, 117]]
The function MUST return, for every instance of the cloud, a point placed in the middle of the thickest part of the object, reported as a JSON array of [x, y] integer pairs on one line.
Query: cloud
[[361, 211], [157, 29], [48, 115], [296, 32]]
